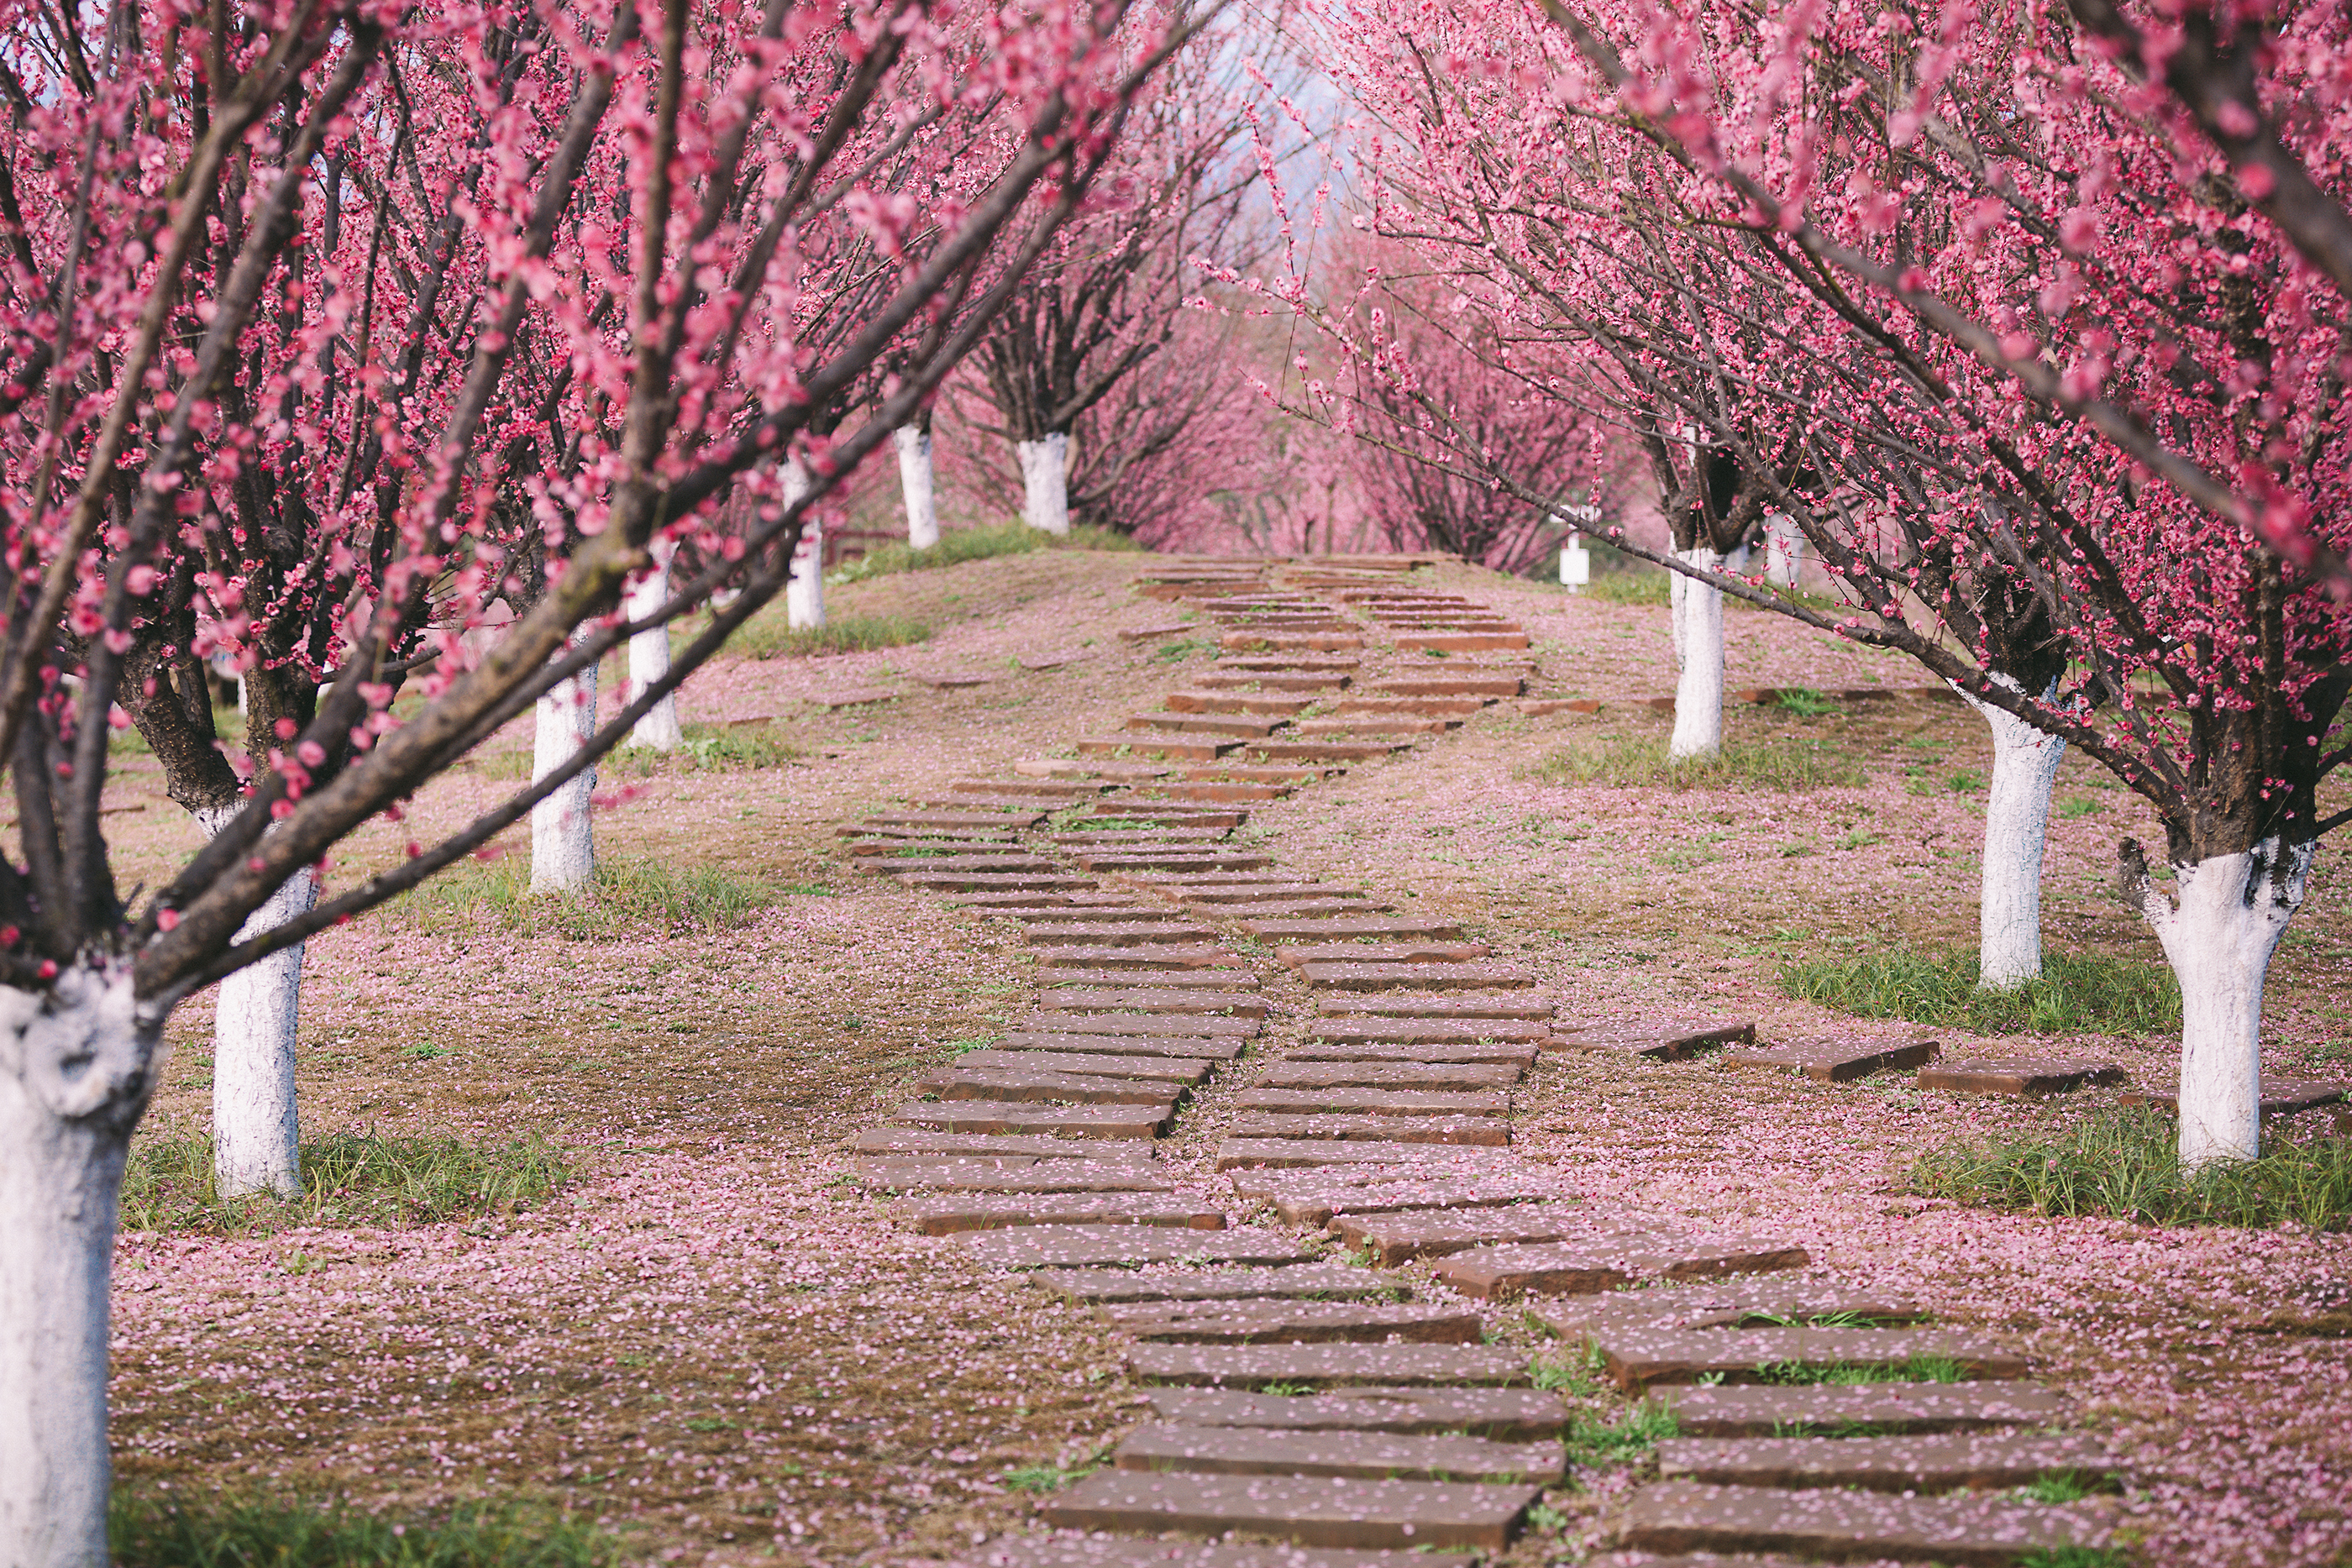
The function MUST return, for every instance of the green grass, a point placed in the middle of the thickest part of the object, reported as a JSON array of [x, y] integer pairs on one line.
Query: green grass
[[765, 635], [2065, 1486], [1918, 1369], [2124, 1164], [959, 545], [1632, 763], [2078, 993], [349, 1178], [179, 1531], [2077, 806], [627, 897], [1042, 1477], [1805, 702], [1632, 1437], [708, 748], [2075, 1557], [1639, 585], [1570, 1370]]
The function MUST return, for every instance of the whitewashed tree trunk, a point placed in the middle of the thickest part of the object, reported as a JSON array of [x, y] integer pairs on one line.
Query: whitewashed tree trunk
[[1677, 585], [2218, 931], [916, 483], [1045, 482], [562, 831], [256, 1120], [1784, 550], [649, 654], [2017, 823], [76, 1065], [1699, 694], [804, 589]]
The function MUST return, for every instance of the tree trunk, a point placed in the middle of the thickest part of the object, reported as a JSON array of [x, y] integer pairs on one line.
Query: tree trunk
[[805, 589], [1784, 550], [2219, 931], [257, 1122], [2017, 820], [1698, 695], [1045, 482], [915, 481], [76, 1065], [563, 833], [649, 654]]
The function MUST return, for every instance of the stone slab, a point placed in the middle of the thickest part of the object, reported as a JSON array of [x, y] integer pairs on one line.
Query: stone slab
[[1318, 1154], [1757, 1410], [1189, 1071], [1665, 1040], [1448, 707], [912, 849], [2281, 1096], [1432, 953], [1095, 978], [1315, 1199], [1305, 1281], [1374, 1103], [1247, 727], [1089, 914], [1214, 701], [1247, 1450], [1024, 810], [1026, 786], [1085, 768], [1963, 1532], [1155, 1000], [1295, 1322], [1339, 902], [1451, 686], [1392, 1239], [1526, 1007], [1227, 789], [1940, 1462], [954, 1215], [1120, 932], [1834, 1061], [1157, 629], [1313, 1510], [1320, 728], [2021, 1075], [1249, 899], [941, 861], [1166, 814], [1127, 860], [1161, 955], [1458, 641], [993, 882], [1173, 1047], [1503, 1413], [1638, 1358], [1195, 1026], [1017, 1173], [1256, 1365], [1326, 750], [1100, 1246], [1494, 1132], [1039, 1085], [908, 1141], [1516, 1055], [1140, 743], [1348, 976], [1580, 1268], [1469, 1077], [1734, 1303], [1393, 927], [1117, 1122]]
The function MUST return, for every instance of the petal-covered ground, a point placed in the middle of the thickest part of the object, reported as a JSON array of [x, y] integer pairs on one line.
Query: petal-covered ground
[[713, 1342]]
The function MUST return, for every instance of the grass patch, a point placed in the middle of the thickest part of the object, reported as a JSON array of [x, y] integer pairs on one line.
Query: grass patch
[[2077, 806], [2124, 1164], [1805, 702], [627, 895], [1635, 585], [705, 748], [956, 546], [1632, 1437], [1918, 1369], [2075, 1557], [1042, 1477], [2078, 993], [766, 636], [146, 1531], [351, 1178], [1632, 763], [1577, 1370]]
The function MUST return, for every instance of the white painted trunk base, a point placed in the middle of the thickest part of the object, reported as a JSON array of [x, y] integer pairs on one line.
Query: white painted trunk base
[[916, 483], [257, 1121], [75, 1067], [1784, 550], [649, 653], [1699, 694], [562, 831], [2219, 930], [804, 589], [1045, 482], [2017, 822]]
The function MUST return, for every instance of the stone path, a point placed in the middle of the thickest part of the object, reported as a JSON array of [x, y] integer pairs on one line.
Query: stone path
[[1319, 1322]]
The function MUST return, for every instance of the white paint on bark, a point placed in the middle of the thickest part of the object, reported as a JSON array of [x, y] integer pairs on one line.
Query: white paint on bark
[[1699, 694], [804, 589], [77, 1065], [649, 653], [1784, 549], [2218, 931], [1045, 482], [562, 832], [916, 484], [257, 1121], [2017, 822]]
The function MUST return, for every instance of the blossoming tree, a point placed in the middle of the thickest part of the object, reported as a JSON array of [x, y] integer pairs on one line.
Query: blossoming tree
[[319, 317]]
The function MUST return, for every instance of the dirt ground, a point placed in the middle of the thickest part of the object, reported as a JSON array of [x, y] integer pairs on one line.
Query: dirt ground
[[715, 1344]]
